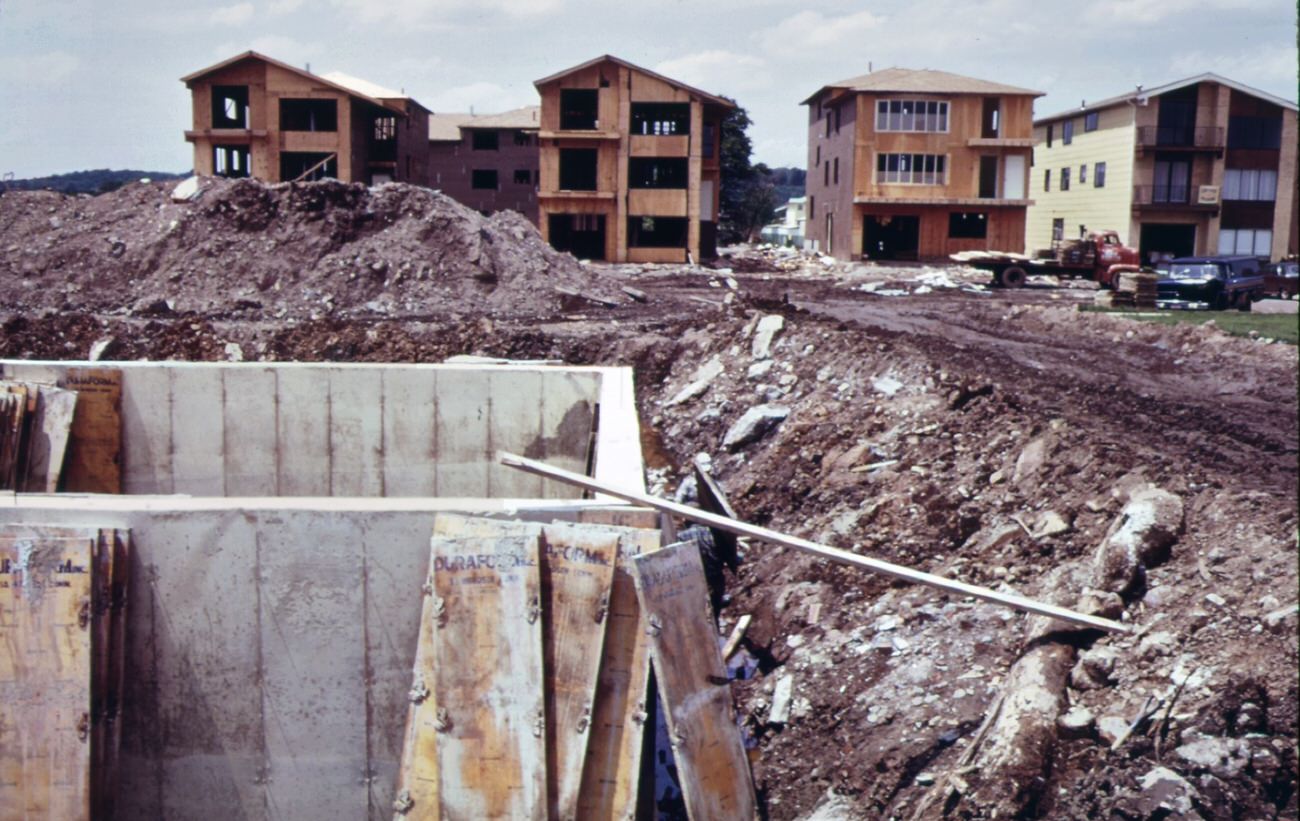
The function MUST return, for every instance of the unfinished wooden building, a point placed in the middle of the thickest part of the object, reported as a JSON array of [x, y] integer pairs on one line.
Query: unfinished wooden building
[[629, 164], [259, 117], [486, 161], [907, 164]]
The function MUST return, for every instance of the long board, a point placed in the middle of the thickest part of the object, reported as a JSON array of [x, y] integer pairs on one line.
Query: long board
[[611, 774], [45, 675], [709, 752], [577, 570], [487, 678], [94, 458]]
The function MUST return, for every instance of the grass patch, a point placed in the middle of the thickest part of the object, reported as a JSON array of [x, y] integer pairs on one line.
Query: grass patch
[[1282, 327]]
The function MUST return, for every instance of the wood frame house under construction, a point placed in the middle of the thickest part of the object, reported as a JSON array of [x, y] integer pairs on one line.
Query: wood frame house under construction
[[629, 164], [907, 164], [258, 117]]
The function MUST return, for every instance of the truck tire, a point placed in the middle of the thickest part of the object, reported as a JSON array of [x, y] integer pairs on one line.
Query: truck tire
[[1012, 276]]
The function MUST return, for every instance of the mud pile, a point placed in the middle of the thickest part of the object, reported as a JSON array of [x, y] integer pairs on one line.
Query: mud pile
[[284, 250]]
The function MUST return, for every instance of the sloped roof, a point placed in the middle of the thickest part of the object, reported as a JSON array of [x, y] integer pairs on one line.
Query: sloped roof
[[710, 98], [921, 81], [446, 127], [1207, 77], [364, 87], [189, 79]]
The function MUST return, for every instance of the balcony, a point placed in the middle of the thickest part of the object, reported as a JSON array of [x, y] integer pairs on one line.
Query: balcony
[[1185, 198], [1207, 138]]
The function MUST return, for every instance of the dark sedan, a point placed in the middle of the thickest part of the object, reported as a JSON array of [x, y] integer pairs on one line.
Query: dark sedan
[[1282, 278], [1216, 283]]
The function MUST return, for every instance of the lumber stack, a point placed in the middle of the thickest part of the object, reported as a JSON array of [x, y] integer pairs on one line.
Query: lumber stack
[[35, 426], [1137, 290], [531, 673], [63, 621]]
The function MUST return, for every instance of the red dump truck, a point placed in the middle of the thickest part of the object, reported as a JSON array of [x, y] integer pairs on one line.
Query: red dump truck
[[1099, 255]]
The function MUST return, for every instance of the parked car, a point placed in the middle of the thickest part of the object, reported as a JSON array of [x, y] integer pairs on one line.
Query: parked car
[[1282, 278], [1215, 282]]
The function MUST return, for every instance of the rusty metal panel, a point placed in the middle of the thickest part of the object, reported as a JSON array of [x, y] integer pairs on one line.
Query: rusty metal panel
[[487, 677], [577, 568], [707, 746], [45, 675], [611, 773]]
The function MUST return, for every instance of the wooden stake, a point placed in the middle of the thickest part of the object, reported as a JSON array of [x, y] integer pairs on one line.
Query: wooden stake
[[834, 554]]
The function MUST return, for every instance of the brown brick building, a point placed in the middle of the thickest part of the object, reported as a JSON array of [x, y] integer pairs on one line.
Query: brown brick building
[[488, 162], [906, 164], [255, 116], [629, 164]]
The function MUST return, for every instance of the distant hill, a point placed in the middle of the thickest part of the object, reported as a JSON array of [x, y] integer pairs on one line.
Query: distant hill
[[787, 183], [98, 181]]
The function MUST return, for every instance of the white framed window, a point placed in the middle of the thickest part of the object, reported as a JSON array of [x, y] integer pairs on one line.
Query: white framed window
[[912, 169], [1250, 184], [912, 115], [1254, 241]]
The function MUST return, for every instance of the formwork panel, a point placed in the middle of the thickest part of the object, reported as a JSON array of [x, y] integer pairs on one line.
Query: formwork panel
[[356, 432], [302, 430], [410, 432], [197, 432], [147, 426], [250, 431], [461, 466], [514, 412], [314, 694]]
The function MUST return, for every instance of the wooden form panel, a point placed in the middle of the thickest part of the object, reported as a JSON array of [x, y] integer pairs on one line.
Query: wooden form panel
[[45, 675], [711, 762], [658, 202], [487, 670], [1006, 227]]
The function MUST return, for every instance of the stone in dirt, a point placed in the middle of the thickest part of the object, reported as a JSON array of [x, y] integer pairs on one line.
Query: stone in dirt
[[1224, 757], [1077, 722], [700, 381], [1165, 790], [1141, 536], [782, 695], [768, 327], [753, 425]]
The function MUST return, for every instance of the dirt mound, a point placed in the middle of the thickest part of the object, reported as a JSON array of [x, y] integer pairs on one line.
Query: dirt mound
[[306, 250]]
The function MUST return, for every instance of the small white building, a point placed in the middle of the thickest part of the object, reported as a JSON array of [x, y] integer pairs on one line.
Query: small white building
[[788, 229]]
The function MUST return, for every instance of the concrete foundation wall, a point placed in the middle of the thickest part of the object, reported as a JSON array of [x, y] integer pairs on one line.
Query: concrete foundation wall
[[290, 429], [270, 646]]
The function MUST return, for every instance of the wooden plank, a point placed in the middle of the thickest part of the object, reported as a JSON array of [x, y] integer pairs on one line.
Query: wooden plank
[[612, 770], [13, 410], [577, 569], [100, 646], [108, 795], [487, 648], [94, 458], [48, 439], [45, 675], [710, 754]]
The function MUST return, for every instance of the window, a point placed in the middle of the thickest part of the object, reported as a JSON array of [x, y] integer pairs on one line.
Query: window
[[911, 115], [837, 119], [826, 174], [1047, 179], [385, 129], [1099, 175], [483, 179], [304, 165], [819, 156], [578, 109], [523, 138], [657, 172], [707, 138], [835, 175], [308, 115], [1050, 130], [1254, 132], [1058, 229], [230, 106], [911, 169], [523, 176], [230, 160], [1255, 241], [1067, 132], [484, 139], [657, 232], [577, 169], [1090, 122], [1259, 184], [1083, 174], [661, 119], [826, 113], [968, 225], [1065, 179]]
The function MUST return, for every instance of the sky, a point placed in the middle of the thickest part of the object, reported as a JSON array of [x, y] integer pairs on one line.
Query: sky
[[95, 84]]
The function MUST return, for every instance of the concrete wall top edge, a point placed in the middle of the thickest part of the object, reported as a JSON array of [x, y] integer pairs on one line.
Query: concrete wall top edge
[[93, 503], [186, 365]]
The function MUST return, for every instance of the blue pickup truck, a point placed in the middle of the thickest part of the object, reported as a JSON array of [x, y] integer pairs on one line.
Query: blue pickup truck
[[1214, 283]]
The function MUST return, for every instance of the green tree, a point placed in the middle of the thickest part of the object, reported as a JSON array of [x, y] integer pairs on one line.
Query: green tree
[[747, 199]]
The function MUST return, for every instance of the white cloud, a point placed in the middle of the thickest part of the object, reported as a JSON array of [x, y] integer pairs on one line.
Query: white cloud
[[810, 29], [441, 14], [1145, 12], [1271, 68], [46, 69], [718, 72], [279, 7], [483, 97], [235, 15], [275, 46]]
